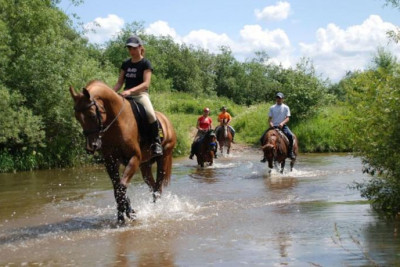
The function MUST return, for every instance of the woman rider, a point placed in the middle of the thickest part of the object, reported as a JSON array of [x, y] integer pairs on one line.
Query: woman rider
[[136, 74], [204, 124]]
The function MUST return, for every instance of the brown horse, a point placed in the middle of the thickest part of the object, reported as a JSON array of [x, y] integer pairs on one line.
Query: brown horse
[[109, 125], [224, 137], [205, 148], [275, 147]]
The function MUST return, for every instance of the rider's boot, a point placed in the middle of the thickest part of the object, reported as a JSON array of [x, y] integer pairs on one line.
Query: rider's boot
[[156, 148], [290, 152], [264, 159]]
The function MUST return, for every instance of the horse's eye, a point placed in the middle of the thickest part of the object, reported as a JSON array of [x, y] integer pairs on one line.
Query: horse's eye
[[91, 116]]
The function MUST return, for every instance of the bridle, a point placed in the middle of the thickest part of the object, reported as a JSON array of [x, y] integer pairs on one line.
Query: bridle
[[100, 130]]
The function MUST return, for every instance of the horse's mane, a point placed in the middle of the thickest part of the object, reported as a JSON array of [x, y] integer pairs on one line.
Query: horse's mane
[[98, 87]]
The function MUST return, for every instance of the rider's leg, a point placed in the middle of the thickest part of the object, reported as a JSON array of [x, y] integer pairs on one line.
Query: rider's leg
[[232, 132], [289, 135], [156, 148], [191, 151]]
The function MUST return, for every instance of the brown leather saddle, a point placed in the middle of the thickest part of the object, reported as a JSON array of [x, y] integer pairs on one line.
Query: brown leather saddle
[[141, 119]]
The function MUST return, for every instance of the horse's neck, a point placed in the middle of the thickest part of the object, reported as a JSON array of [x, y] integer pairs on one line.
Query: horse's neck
[[112, 101], [115, 105], [279, 141], [225, 130]]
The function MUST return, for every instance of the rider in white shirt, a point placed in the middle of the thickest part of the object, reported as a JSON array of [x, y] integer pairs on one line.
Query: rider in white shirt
[[278, 117]]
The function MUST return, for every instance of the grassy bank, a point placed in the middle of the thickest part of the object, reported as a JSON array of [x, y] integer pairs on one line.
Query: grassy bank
[[326, 132]]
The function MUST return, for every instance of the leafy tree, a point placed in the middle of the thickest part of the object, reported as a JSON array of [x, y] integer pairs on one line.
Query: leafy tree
[[42, 56], [394, 34], [19, 127], [373, 98]]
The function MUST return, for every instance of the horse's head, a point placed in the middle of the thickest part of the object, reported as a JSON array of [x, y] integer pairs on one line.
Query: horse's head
[[91, 114], [270, 147], [211, 138]]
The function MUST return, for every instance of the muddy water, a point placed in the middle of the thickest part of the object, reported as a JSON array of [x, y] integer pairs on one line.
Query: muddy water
[[232, 214]]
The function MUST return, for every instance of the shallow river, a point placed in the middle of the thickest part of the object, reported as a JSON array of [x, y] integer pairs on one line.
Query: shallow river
[[231, 214]]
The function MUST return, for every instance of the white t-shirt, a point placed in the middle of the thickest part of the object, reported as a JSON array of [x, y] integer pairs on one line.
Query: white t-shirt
[[278, 113]]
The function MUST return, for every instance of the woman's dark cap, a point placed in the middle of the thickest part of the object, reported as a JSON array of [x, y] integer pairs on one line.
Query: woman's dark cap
[[134, 41]]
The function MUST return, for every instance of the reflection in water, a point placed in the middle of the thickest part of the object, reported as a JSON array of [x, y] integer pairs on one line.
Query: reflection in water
[[133, 250], [206, 175], [276, 183], [374, 241], [284, 242]]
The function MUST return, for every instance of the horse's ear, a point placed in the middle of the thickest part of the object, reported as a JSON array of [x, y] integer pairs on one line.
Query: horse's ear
[[73, 93], [85, 93]]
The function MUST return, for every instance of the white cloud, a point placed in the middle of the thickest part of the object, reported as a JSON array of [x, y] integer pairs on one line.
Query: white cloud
[[161, 28], [207, 40], [339, 50], [102, 29], [280, 11], [252, 38]]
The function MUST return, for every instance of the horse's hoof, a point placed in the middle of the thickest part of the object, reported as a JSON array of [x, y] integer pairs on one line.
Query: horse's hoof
[[131, 215], [156, 195], [120, 218]]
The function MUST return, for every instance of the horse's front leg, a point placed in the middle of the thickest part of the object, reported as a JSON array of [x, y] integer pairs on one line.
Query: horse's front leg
[[112, 167], [123, 201]]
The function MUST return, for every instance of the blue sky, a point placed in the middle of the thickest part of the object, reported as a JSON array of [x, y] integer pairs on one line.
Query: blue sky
[[337, 36]]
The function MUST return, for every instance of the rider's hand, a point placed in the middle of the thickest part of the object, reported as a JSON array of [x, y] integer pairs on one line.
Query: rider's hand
[[125, 93]]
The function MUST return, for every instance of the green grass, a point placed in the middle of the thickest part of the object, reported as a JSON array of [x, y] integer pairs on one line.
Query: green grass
[[326, 132]]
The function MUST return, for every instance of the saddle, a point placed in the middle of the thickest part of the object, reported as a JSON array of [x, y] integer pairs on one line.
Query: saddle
[[283, 135], [141, 119]]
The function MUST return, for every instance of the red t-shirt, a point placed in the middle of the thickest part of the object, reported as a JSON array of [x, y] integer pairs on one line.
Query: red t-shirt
[[204, 122]]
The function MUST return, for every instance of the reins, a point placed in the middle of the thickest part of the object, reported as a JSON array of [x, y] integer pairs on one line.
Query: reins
[[100, 129]]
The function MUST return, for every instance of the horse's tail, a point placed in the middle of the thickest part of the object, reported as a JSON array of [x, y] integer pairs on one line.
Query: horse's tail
[[168, 143]]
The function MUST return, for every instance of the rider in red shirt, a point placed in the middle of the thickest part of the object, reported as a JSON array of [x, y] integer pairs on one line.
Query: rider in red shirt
[[225, 118], [204, 124]]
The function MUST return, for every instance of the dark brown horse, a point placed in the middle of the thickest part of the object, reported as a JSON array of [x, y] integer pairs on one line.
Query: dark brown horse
[[109, 126], [205, 148], [224, 137], [275, 147]]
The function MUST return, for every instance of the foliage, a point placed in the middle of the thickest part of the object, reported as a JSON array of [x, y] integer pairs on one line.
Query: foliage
[[19, 126], [42, 56], [325, 132], [373, 98], [394, 34], [251, 123]]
